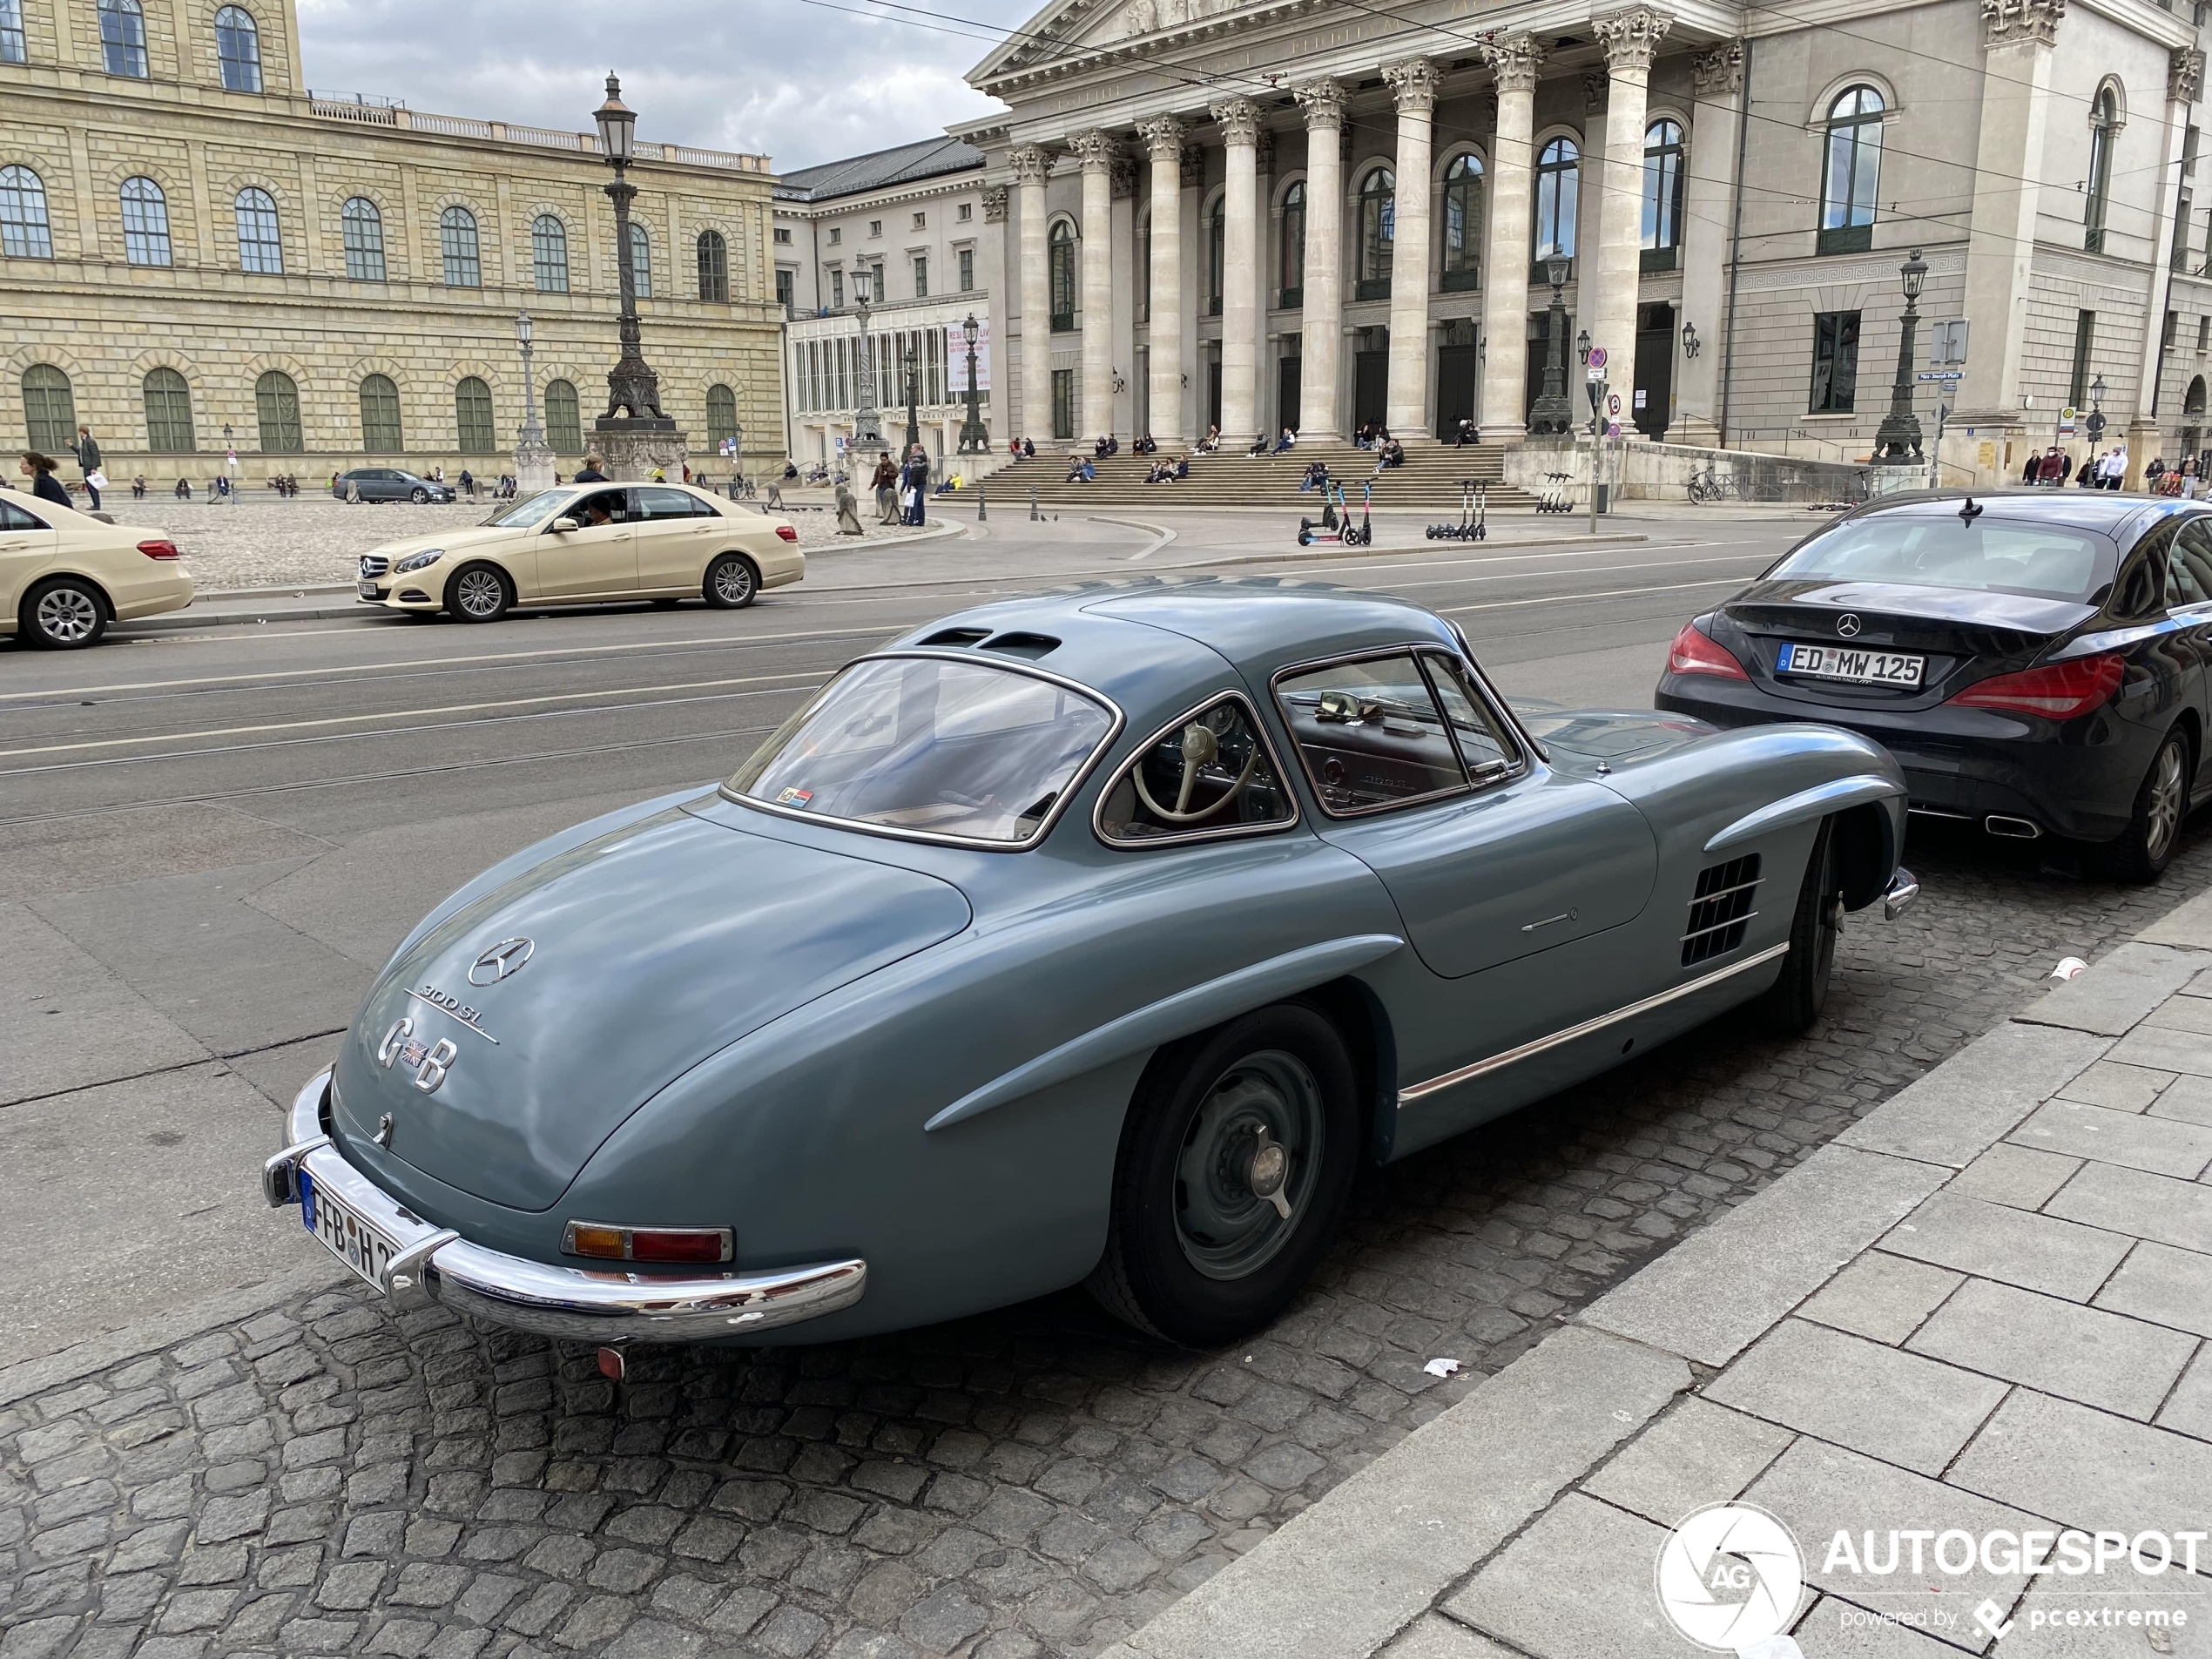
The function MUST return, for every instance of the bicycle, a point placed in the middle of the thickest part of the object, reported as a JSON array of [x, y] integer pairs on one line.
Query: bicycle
[[1709, 485]]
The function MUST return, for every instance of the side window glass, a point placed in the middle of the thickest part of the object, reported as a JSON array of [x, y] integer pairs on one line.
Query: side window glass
[[2188, 580], [664, 503], [1483, 743], [13, 517], [1370, 735], [2139, 589], [1210, 774], [602, 507]]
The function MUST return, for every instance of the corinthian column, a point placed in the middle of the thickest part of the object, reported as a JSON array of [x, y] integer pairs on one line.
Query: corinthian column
[[1323, 312], [1097, 151], [1514, 61], [1164, 136], [1031, 165], [1238, 119], [1406, 408], [1718, 79], [1631, 40]]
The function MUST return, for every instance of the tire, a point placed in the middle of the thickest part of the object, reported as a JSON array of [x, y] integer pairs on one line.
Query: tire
[[479, 593], [419, 497], [64, 613], [733, 582], [2143, 849], [1192, 1254], [1794, 1001]]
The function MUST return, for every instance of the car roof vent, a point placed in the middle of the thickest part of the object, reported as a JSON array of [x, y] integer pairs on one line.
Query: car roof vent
[[957, 637], [1024, 644]]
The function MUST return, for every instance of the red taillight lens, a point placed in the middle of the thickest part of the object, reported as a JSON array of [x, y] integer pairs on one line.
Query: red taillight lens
[[611, 1244], [2058, 692], [1696, 653], [786, 532], [160, 549]]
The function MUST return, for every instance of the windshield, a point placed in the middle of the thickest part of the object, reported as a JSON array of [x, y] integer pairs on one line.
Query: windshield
[[964, 750], [1995, 555], [531, 510]]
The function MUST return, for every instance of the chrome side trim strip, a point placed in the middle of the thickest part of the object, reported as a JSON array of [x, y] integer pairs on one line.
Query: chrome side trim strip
[[1528, 1051]]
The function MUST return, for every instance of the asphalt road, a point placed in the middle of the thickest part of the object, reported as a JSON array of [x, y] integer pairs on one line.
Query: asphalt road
[[210, 840]]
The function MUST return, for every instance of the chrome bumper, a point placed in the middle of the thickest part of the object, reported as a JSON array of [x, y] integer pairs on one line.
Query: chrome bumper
[[1904, 889], [436, 1265]]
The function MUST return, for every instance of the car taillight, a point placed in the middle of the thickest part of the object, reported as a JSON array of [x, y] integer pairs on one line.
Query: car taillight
[[612, 1244], [158, 549], [1694, 652], [786, 532], [2059, 691]]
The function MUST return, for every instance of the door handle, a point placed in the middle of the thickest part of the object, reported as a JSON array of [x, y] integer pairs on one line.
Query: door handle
[[13, 547]]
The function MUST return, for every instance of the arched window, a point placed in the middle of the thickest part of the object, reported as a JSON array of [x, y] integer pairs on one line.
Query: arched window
[[641, 260], [472, 416], [563, 419], [48, 409], [364, 231], [238, 46], [714, 267], [276, 401], [1558, 186], [1217, 252], [260, 248], [12, 41], [457, 240], [1661, 194], [123, 37], [1060, 263], [1853, 174], [168, 401], [145, 222], [549, 253], [1463, 224], [1290, 263], [23, 231], [721, 415], [1378, 233], [2104, 123], [380, 416]]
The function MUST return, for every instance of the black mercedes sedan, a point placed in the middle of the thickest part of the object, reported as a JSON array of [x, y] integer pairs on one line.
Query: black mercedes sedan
[[2035, 659]]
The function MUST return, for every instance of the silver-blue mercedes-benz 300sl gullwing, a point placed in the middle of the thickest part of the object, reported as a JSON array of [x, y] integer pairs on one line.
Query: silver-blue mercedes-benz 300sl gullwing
[[1097, 938]]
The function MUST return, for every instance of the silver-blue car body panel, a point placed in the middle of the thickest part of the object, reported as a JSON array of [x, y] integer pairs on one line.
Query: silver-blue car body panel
[[927, 1070]]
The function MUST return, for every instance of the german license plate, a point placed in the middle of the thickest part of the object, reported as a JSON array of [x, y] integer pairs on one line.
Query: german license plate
[[352, 1240], [368, 591], [1846, 662]]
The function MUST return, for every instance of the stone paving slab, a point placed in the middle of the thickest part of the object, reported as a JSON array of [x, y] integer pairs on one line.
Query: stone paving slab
[[1949, 1116], [2078, 1354], [2131, 981]]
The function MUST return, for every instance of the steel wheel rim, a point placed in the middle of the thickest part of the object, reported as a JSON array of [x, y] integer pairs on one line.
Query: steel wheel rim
[[480, 593], [1226, 1230], [68, 614], [732, 581], [2165, 801]]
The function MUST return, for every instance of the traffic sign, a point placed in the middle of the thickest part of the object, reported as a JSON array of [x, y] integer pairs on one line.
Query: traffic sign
[[1597, 357], [1942, 375], [1613, 404], [1613, 430]]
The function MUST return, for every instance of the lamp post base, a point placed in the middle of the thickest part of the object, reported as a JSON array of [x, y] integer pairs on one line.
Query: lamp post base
[[534, 465], [632, 448]]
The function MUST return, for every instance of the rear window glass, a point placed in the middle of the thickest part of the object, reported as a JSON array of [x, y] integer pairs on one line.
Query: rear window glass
[[966, 751], [1370, 734], [1995, 555]]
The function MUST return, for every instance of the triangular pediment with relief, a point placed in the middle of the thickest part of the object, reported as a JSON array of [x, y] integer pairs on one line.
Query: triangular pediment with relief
[[1077, 28]]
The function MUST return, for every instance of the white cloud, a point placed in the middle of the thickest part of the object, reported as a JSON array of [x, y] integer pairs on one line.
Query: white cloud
[[800, 82]]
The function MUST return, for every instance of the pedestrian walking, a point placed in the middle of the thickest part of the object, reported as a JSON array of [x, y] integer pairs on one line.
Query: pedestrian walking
[[2116, 468], [917, 483], [40, 470], [87, 448], [885, 483]]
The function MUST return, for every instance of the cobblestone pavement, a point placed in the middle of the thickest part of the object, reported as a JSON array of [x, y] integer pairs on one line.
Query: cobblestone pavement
[[314, 541], [326, 1478]]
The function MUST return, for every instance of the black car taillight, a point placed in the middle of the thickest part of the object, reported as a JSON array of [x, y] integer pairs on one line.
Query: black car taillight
[[2058, 691]]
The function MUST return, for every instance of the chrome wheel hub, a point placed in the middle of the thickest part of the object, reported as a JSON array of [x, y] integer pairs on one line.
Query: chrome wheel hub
[[732, 581], [480, 593], [68, 616], [1250, 1160]]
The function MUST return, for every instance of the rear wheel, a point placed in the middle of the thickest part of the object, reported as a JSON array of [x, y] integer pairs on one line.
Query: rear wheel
[[478, 593], [1235, 1160], [1795, 1001], [2154, 829], [66, 613], [419, 496], [731, 582]]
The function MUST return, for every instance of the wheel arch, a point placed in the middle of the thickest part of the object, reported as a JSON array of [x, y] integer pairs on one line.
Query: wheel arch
[[65, 573], [1351, 1005], [1866, 852], [514, 588]]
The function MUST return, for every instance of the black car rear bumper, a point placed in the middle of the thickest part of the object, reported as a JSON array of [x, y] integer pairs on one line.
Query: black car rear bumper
[[2073, 778]]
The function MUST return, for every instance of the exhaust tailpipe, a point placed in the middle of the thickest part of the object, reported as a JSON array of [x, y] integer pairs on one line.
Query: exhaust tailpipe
[[2018, 829]]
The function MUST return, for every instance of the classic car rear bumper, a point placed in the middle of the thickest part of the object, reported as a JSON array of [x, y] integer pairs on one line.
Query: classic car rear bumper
[[435, 1264]]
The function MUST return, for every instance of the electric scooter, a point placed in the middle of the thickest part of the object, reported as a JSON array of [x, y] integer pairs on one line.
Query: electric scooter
[[1344, 533], [1475, 515]]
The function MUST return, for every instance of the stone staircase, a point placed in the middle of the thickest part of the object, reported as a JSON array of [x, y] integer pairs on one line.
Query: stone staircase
[[1429, 479]]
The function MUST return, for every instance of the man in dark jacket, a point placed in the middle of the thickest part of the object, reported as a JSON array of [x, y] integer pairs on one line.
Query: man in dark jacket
[[40, 470], [590, 473], [913, 484], [87, 450]]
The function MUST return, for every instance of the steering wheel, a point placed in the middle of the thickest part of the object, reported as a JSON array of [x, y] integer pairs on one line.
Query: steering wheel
[[1201, 747]]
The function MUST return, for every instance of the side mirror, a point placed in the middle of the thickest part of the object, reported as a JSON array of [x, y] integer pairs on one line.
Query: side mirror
[[562, 526]]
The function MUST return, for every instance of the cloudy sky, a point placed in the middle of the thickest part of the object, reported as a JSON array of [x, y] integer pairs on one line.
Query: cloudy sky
[[800, 81]]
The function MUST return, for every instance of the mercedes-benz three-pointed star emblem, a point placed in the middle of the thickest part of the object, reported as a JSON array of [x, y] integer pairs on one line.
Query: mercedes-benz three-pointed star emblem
[[1847, 625], [502, 961]]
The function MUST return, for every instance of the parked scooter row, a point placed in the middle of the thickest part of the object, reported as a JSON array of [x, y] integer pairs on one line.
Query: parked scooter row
[[1474, 515]]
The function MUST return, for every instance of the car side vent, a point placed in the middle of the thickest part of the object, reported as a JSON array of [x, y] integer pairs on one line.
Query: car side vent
[[1020, 644], [958, 636], [1721, 909]]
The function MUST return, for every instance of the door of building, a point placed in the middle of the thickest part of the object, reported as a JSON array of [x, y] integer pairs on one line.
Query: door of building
[[1455, 379], [1369, 387], [1213, 392], [1654, 384], [1286, 392]]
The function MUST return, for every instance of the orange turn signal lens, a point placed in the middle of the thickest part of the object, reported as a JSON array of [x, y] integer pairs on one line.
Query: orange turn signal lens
[[586, 1240], [611, 1244]]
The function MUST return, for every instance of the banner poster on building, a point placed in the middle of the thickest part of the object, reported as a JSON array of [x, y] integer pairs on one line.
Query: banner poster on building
[[956, 359]]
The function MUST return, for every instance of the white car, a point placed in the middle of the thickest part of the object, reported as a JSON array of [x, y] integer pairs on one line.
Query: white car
[[64, 575], [585, 544]]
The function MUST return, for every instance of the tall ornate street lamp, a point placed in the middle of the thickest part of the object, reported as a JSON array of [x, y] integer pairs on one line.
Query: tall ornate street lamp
[[631, 385], [1897, 439], [1552, 415], [533, 454], [868, 425], [913, 390], [974, 437]]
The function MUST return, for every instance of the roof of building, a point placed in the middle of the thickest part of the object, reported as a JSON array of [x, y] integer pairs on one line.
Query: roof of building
[[925, 159]]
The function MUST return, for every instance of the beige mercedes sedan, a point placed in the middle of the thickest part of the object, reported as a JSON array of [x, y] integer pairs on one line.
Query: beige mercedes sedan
[[64, 575], [588, 545]]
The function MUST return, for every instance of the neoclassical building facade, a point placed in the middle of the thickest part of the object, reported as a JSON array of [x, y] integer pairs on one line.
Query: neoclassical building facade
[[1304, 213]]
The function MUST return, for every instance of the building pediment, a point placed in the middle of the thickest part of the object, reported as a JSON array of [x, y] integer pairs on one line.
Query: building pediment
[[1076, 32]]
